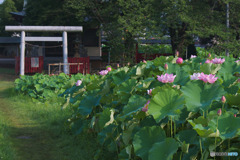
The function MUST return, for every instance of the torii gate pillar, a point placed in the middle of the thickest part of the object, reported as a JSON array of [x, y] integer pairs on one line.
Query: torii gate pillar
[[22, 55], [65, 53]]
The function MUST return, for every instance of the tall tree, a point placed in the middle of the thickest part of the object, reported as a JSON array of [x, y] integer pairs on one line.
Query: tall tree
[[121, 21], [5, 17]]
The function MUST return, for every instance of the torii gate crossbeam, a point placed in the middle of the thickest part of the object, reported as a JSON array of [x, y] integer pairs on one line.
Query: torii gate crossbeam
[[63, 29]]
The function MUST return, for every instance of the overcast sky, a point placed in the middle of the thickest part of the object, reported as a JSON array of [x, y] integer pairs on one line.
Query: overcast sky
[[1, 1]]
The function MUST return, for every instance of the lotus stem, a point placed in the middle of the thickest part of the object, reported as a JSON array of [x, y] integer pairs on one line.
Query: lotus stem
[[168, 133], [203, 115], [181, 156], [201, 147], [222, 106], [228, 147], [175, 127], [171, 128], [216, 137]]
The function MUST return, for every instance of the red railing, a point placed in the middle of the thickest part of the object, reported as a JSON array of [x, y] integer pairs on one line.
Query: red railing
[[84, 68], [142, 56], [28, 66]]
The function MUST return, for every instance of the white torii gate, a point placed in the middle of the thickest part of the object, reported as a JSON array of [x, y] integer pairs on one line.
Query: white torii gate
[[63, 29]]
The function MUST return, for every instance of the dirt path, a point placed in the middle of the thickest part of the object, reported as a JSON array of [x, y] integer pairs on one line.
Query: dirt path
[[29, 139]]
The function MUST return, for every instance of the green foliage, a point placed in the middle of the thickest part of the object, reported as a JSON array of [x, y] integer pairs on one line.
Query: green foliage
[[167, 102], [155, 48], [179, 115], [5, 17], [199, 96], [145, 139]]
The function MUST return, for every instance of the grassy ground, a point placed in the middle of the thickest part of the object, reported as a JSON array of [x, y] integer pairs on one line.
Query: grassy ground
[[37, 131]]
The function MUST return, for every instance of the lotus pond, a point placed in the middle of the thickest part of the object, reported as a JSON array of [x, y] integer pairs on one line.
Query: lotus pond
[[161, 109]]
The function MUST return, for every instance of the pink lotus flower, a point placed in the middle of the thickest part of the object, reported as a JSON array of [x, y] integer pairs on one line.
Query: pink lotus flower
[[208, 61], [144, 61], [166, 78], [235, 115], [166, 66], [109, 69], [207, 78], [118, 65], [237, 61], [238, 80], [223, 99], [218, 60], [179, 60], [219, 112], [78, 83], [195, 76], [193, 56], [149, 92], [103, 72], [145, 108]]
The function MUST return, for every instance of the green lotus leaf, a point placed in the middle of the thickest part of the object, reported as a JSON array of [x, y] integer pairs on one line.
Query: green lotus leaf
[[167, 102], [106, 117], [227, 78], [189, 136], [163, 150], [202, 131], [228, 125], [126, 86], [148, 121], [233, 99], [182, 77], [78, 126], [128, 134], [135, 104], [145, 138], [87, 104], [124, 90], [140, 70], [172, 68], [106, 87], [199, 95], [120, 77], [160, 61], [230, 67], [210, 68], [106, 133], [192, 153], [39, 88]]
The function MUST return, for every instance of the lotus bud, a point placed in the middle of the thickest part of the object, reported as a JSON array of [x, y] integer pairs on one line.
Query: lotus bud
[[109, 69], [166, 66], [78, 83], [128, 63], [149, 92], [145, 108], [118, 65], [235, 115], [179, 60], [223, 99], [209, 55], [144, 61], [177, 53], [219, 112], [238, 80]]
